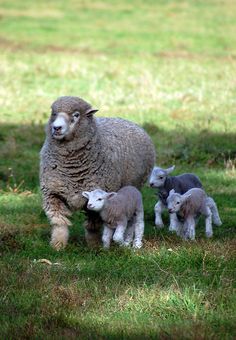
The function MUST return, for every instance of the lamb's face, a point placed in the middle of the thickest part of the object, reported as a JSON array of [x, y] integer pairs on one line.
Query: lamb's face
[[174, 202], [69, 114], [96, 199], [157, 178]]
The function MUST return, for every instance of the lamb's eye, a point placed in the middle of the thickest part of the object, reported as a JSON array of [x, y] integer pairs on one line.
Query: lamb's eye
[[76, 114], [161, 177], [99, 199], [177, 202]]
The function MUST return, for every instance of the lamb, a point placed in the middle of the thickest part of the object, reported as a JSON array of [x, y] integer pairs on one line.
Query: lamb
[[160, 179], [121, 213], [188, 207], [82, 153]]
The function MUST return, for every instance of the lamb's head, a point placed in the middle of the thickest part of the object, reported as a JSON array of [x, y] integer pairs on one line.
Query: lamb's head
[[69, 114], [175, 201], [97, 198], [158, 176]]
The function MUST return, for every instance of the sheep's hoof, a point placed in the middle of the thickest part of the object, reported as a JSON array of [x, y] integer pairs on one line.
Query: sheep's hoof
[[209, 234], [126, 244], [159, 225], [173, 228], [137, 245], [58, 245]]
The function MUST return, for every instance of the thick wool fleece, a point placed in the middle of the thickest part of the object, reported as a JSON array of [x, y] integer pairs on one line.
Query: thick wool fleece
[[103, 152]]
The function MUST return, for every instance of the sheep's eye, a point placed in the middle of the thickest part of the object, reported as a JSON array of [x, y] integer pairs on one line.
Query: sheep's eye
[[161, 177], [177, 202], [76, 114], [53, 114], [99, 199]]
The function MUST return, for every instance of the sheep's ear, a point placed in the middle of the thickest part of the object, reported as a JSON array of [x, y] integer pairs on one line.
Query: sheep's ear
[[111, 194], [169, 170], [185, 197], [91, 111], [85, 194], [172, 192]]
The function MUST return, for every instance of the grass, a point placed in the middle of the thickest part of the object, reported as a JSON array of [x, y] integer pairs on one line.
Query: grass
[[170, 67]]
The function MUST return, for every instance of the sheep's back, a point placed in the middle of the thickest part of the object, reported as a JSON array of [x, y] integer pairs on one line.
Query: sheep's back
[[129, 151]]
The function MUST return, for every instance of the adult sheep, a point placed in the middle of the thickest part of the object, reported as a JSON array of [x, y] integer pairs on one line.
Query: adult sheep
[[82, 153]]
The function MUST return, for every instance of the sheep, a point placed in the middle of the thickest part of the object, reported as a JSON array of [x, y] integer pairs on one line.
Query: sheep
[[82, 153], [188, 207], [160, 179], [122, 215]]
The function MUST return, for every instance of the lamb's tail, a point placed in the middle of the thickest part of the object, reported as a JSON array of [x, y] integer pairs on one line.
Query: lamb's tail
[[215, 214]]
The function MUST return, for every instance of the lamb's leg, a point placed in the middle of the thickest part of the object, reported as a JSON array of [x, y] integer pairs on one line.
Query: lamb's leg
[[189, 228], [57, 213], [174, 223], [118, 236], [129, 233], [159, 207], [215, 214], [138, 229], [107, 236], [93, 229], [208, 222]]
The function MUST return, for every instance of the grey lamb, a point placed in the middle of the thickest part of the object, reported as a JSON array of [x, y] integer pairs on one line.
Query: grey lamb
[[83, 153], [121, 213], [161, 180], [188, 207]]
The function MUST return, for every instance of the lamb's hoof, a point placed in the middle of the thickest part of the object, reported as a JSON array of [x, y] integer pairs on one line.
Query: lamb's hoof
[[159, 225], [126, 244], [137, 245], [173, 228], [119, 240], [58, 245], [209, 234], [218, 223]]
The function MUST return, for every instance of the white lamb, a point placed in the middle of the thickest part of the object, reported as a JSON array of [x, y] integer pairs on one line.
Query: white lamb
[[122, 215], [188, 207]]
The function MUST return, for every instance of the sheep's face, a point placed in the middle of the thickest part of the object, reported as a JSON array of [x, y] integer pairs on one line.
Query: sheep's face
[[174, 202], [158, 176], [96, 199], [63, 124], [70, 115]]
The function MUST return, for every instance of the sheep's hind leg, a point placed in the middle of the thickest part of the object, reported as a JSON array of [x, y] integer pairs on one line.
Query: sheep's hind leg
[[107, 236], [58, 213], [159, 207], [93, 227], [208, 222]]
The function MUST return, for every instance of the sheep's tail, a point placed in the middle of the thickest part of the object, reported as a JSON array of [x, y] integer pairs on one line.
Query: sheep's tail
[[215, 214]]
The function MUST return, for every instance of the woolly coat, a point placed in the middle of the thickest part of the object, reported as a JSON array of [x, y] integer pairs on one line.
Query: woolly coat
[[122, 207], [194, 205], [181, 184], [104, 152]]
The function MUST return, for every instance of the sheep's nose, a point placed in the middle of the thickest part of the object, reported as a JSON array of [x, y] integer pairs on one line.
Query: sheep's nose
[[170, 211], [57, 128], [151, 184], [89, 205]]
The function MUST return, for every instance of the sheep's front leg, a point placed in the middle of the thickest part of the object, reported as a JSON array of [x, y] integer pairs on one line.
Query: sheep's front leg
[[118, 236], [208, 222], [159, 207], [138, 229], [93, 227], [129, 233], [57, 213], [189, 228], [174, 223], [107, 236]]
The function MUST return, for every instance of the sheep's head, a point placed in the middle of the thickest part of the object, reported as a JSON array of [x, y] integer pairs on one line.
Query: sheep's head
[[68, 115], [97, 198], [175, 201], [158, 176]]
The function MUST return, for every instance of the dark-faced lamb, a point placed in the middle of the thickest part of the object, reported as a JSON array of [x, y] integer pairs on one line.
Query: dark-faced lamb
[[161, 180], [83, 153], [121, 213], [188, 207]]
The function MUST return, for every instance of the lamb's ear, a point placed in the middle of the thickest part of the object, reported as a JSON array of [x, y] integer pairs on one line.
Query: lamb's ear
[[172, 192], [185, 197], [111, 194], [85, 194], [169, 170], [91, 111]]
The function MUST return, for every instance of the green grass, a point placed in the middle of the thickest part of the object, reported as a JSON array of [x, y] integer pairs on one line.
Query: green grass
[[170, 67]]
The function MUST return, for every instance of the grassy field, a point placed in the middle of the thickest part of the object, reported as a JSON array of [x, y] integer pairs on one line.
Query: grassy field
[[169, 66]]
